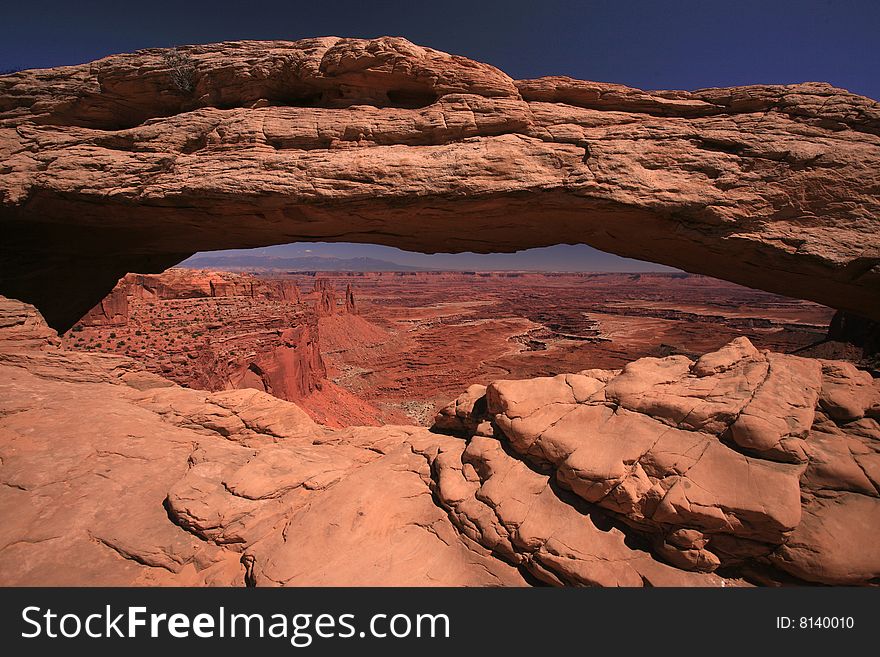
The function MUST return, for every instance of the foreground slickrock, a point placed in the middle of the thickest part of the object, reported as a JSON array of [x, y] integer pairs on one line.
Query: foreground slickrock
[[670, 472], [743, 461], [112, 475], [135, 161]]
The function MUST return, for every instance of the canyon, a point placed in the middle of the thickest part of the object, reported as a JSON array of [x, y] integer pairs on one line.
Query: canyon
[[190, 427], [395, 347], [218, 331]]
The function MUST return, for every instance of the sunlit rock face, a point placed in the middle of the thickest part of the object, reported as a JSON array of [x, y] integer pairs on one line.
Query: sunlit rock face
[[135, 161], [745, 459], [114, 475]]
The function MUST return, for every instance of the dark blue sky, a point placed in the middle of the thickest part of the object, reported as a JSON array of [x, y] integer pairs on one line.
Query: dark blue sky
[[684, 44]]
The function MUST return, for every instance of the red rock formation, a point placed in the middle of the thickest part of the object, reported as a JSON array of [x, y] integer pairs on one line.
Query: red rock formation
[[427, 334], [350, 304], [561, 477], [326, 303], [175, 284], [290, 371], [289, 291], [742, 458], [109, 167], [742, 462], [220, 330], [851, 338], [112, 311], [231, 288], [189, 283], [22, 328]]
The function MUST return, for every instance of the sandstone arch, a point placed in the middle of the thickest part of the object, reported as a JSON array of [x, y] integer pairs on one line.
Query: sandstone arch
[[110, 167]]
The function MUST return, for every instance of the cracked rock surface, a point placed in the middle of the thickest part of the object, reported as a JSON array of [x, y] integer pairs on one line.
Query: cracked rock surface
[[112, 475], [742, 461]]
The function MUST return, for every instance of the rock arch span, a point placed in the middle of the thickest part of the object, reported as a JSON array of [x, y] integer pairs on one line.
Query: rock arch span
[[113, 166]]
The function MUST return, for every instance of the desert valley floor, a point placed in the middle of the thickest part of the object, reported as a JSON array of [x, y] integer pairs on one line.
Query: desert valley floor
[[403, 344]]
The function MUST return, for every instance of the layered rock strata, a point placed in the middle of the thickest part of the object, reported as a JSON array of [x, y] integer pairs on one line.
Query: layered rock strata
[[114, 166], [110, 474]]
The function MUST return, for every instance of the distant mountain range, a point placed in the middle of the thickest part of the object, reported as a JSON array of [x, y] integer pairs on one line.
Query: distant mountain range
[[250, 262]]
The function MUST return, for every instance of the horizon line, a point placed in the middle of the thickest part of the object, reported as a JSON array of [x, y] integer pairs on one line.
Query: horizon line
[[428, 270]]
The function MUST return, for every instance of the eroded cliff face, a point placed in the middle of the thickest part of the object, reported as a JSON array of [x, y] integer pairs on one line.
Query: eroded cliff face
[[760, 466], [114, 166], [112, 309], [221, 330], [291, 370], [216, 338]]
